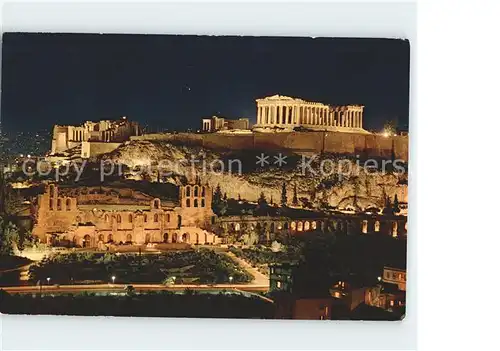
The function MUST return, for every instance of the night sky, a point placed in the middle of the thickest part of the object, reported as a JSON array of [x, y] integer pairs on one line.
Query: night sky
[[173, 81]]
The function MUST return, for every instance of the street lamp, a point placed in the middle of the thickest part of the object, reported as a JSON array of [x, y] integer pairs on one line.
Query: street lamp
[[230, 280], [173, 280], [379, 278], [48, 280], [113, 278]]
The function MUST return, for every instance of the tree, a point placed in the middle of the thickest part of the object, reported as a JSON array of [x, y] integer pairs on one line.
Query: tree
[[284, 199], [9, 237], [219, 204], [387, 206], [395, 205], [262, 202], [295, 200], [217, 197]]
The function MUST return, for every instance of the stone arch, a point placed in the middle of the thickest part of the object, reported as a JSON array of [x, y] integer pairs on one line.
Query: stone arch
[[202, 191], [101, 238], [202, 202], [314, 225], [307, 225], [118, 219], [195, 202], [237, 227], [68, 205], [147, 238], [59, 204], [168, 217], [130, 218], [377, 226], [364, 226], [156, 204], [188, 190], [196, 191], [197, 238], [87, 241], [174, 237], [165, 238], [185, 238], [394, 229], [129, 238], [155, 217], [188, 202], [293, 225], [78, 219], [110, 238]]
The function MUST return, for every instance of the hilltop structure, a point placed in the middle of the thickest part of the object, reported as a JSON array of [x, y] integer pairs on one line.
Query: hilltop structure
[[92, 138], [215, 124], [288, 112]]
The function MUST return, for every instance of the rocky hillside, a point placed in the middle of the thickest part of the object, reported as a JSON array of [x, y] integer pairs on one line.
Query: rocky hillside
[[335, 185]]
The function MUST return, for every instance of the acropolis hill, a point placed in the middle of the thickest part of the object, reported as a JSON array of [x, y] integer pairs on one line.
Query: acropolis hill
[[296, 125], [283, 123]]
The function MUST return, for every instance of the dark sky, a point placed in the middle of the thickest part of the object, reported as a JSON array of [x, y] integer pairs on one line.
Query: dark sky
[[174, 81]]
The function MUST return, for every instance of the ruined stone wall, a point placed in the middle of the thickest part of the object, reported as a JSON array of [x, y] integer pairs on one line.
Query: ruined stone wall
[[365, 145]]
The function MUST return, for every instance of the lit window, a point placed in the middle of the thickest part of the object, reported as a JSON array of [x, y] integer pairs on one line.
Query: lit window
[[278, 284]]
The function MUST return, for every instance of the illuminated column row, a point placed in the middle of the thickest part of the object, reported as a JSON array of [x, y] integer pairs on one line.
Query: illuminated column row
[[309, 114]]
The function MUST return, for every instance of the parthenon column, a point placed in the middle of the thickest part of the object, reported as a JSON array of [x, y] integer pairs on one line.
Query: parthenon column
[[287, 108]]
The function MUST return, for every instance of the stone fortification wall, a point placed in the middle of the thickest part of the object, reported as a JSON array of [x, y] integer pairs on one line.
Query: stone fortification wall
[[368, 145]]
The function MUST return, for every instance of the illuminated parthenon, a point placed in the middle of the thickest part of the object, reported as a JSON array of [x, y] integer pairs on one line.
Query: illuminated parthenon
[[284, 111]]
